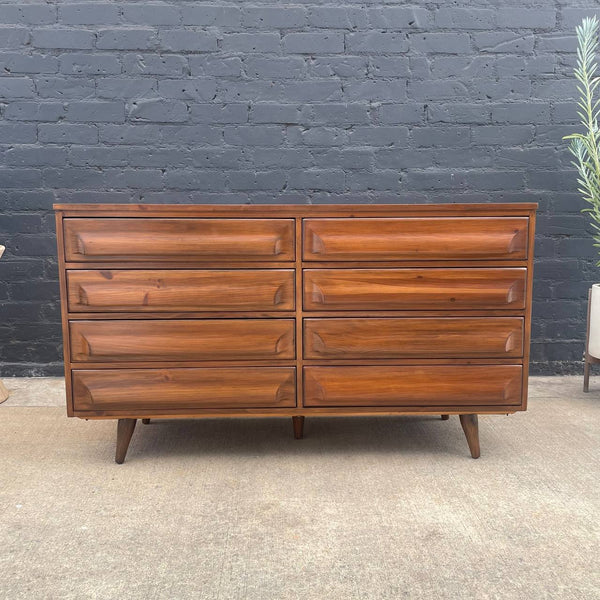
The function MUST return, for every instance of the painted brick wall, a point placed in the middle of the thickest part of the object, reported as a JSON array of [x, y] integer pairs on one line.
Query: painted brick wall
[[245, 101]]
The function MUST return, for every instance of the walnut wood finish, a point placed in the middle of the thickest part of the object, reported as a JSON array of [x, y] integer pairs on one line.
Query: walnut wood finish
[[445, 238], [455, 386], [227, 388], [443, 337], [125, 428], [298, 423], [470, 426], [180, 290], [143, 239], [182, 340], [396, 289], [175, 311]]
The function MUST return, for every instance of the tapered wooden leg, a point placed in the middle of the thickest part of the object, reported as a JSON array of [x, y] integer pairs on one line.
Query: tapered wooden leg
[[145, 421], [445, 417], [471, 428], [586, 374], [125, 429], [298, 423]]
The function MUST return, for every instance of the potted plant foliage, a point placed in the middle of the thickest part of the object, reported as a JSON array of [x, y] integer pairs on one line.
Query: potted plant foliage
[[585, 147]]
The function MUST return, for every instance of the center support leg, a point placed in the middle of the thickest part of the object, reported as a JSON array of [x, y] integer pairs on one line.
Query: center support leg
[[125, 429], [298, 423], [471, 428], [445, 417]]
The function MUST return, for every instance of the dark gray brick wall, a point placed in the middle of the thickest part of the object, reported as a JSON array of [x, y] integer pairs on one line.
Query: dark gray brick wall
[[281, 102]]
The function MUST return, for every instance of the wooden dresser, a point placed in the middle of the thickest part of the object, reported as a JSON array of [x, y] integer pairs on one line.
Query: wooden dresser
[[174, 311]]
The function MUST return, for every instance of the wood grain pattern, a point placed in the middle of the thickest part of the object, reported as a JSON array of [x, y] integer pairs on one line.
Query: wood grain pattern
[[142, 239], [182, 340], [444, 337], [139, 389], [441, 238], [180, 290], [417, 289], [456, 386]]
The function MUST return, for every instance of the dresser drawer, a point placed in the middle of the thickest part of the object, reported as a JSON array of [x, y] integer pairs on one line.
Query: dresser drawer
[[182, 340], [144, 239], [180, 290], [431, 238], [151, 389], [414, 289], [435, 386], [443, 337]]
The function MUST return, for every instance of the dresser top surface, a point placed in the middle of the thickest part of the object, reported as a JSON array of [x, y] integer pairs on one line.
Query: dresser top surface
[[304, 210]]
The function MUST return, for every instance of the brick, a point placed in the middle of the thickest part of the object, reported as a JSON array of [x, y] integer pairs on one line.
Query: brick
[[465, 18], [377, 43], [34, 111], [89, 64], [466, 67], [193, 179], [152, 64], [446, 43], [146, 179], [188, 89], [527, 18], [427, 91], [126, 39], [389, 66], [448, 137], [102, 112], [338, 114], [274, 17], [379, 180], [282, 157], [32, 14], [338, 66], [379, 136], [251, 42], [505, 135], [183, 40], [151, 13], [158, 111], [34, 156], [197, 135], [95, 156], [401, 113], [376, 90], [18, 133], [156, 157], [16, 87], [317, 179], [503, 41], [274, 113], [13, 37], [521, 112], [572, 17], [313, 43], [126, 87], [277, 68], [64, 87], [254, 135], [351, 158], [317, 136], [29, 63], [211, 15], [75, 39], [90, 13], [129, 134], [556, 43], [457, 112], [67, 133], [20, 178], [399, 17], [256, 180], [216, 66], [337, 17], [220, 113]]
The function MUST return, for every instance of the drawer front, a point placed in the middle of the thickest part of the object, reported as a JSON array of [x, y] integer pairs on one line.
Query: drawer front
[[445, 337], [142, 239], [181, 340], [457, 385], [151, 389], [180, 290], [414, 289], [443, 238]]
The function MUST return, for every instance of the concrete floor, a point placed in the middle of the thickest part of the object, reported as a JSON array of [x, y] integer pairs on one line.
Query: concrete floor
[[362, 508]]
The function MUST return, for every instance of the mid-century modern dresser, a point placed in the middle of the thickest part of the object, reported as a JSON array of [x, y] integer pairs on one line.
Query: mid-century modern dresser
[[173, 311]]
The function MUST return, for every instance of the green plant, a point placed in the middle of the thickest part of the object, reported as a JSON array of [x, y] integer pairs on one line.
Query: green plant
[[585, 147]]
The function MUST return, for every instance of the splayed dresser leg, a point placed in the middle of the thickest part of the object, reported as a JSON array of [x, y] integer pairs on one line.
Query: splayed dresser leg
[[471, 428], [125, 429]]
